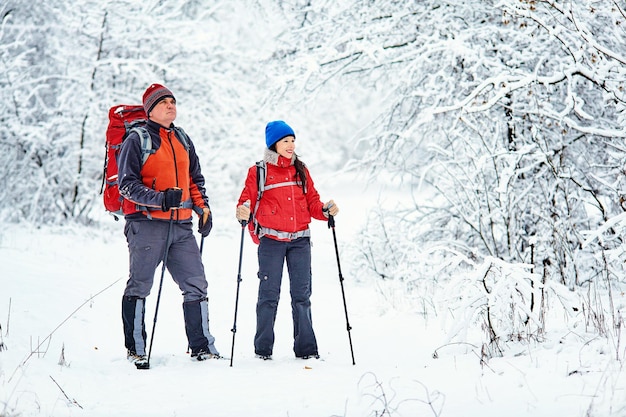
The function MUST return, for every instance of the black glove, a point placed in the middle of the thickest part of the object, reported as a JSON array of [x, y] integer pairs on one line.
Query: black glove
[[205, 224], [171, 198]]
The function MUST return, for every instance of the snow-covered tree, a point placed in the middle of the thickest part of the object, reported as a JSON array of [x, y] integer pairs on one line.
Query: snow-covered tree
[[58, 84]]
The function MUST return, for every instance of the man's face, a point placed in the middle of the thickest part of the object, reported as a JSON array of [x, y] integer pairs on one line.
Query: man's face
[[164, 112]]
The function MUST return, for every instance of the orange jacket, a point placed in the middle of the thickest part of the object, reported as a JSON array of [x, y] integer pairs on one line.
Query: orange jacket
[[170, 165]]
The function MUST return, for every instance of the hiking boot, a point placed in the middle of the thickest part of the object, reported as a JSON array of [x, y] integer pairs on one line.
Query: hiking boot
[[264, 357], [203, 356], [140, 361], [313, 356]]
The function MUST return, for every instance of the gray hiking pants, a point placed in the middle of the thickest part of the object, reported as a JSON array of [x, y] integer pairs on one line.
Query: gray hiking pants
[[146, 245]]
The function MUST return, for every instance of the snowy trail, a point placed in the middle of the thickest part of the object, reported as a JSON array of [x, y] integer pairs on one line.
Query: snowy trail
[[69, 268], [103, 383]]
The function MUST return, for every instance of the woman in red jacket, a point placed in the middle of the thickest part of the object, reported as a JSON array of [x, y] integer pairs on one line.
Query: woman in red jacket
[[282, 218]]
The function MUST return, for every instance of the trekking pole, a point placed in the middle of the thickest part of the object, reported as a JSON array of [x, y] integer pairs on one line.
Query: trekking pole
[[234, 329], [165, 253], [331, 225]]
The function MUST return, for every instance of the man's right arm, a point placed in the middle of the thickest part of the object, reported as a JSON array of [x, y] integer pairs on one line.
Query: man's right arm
[[129, 175]]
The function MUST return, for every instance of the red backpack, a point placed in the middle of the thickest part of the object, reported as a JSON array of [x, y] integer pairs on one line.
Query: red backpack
[[123, 119]]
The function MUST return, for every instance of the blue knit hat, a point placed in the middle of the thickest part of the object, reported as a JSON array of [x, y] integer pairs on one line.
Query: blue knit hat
[[276, 130]]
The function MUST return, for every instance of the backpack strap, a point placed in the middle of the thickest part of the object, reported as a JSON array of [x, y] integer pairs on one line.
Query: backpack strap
[[182, 137], [261, 176], [146, 142]]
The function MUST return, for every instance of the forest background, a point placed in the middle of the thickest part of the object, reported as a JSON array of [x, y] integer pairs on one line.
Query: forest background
[[502, 121]]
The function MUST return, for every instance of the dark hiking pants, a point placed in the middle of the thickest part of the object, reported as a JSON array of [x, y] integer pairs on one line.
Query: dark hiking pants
[[272, 255]]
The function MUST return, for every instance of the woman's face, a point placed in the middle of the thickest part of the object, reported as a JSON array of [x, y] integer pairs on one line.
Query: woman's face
[[286, 146]]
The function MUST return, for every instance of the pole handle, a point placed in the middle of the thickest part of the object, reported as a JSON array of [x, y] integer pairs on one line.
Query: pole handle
[[244, 222], [331, 218]]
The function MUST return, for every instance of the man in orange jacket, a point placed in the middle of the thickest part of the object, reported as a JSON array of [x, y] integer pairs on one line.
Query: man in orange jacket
[[160, 196]]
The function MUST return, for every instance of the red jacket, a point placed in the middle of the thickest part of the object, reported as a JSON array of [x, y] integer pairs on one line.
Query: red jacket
[[284, 208]]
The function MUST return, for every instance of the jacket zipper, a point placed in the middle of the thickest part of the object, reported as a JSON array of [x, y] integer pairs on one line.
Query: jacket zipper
[[169, 138]]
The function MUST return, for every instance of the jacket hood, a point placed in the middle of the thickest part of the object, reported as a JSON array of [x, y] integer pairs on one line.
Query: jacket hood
[[272, 157]]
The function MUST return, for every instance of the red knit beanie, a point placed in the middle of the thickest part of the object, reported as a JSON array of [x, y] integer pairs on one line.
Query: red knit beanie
[[154, 94]]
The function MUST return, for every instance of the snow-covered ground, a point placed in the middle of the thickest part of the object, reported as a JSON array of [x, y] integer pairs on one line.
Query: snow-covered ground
[[60, 294]]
